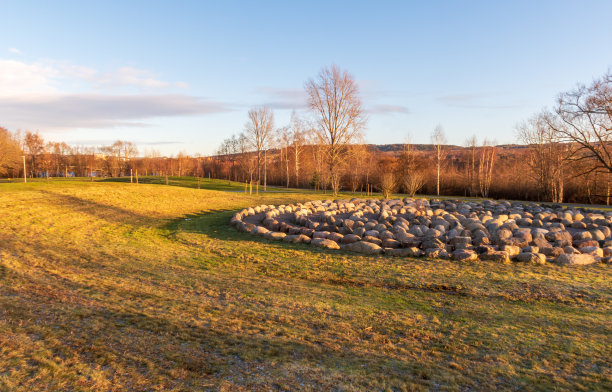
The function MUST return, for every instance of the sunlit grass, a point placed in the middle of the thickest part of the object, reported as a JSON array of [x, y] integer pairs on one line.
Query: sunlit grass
[[114, 286]]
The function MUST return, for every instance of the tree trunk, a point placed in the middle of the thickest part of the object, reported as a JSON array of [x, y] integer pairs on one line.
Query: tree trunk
[[265, 170]]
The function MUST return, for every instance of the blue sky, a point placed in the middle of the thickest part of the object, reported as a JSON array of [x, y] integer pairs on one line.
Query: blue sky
[[181, 76]]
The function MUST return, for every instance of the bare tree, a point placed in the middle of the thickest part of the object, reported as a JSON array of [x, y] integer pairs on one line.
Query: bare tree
[[358, 165], [438, 139], [34, 145], [387, 184], [334, 97], [128, 152], [258, 130], [548, 155], [411, 176], [9, 152], [485, 167], [586, 122], [414, 182], [283, 139]]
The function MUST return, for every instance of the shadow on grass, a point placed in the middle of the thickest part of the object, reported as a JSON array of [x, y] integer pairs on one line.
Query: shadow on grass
[[184, 182], [105, 212]]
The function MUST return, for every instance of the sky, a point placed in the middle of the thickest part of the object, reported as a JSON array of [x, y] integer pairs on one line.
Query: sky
[[181, 76]]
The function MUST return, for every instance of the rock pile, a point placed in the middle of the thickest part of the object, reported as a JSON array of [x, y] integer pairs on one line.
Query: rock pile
[[499, 231]]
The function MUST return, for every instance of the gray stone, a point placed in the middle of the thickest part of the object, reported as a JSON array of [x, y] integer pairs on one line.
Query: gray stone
[[350, 238], [529, 257], [320, 234], [259, 230], [324, 243], [404, 252], [497, 256], [464, 255], [275, 235], [575, 259], [364, 247], [434, 253]]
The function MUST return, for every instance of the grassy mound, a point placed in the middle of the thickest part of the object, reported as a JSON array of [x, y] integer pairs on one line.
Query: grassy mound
[[114, 286]]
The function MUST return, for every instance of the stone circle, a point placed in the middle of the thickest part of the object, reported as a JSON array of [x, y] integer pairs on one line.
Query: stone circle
[[460, 230]]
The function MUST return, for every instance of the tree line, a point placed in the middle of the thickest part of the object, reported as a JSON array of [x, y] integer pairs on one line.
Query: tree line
[[564, 153]]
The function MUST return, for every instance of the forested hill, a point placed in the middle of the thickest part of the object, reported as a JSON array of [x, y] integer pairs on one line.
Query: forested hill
[[430, 147]]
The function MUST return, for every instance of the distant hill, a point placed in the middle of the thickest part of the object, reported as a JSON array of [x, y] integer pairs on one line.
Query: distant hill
[[430, 147]]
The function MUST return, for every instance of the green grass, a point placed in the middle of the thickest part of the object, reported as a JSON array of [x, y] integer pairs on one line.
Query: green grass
[[114, 286]]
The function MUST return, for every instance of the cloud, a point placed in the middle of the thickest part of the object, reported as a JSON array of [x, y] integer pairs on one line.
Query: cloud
[[297, 98], [128, 76], [18, 77], [39, 95], [284, 98], [160, 143], [66, 111], [388, 109], [15, 51], [477, 101]]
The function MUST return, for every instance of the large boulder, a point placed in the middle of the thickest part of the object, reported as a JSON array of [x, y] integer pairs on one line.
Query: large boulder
[[390, 243], [320, 234], [464, 255], [374, 240], [511, 250], [404, 237], [350, 238], [297, 238], [436, 253], [552, 252], [404, 252], [461, 242], [592, 250], [560, 238], [324, 243], [497, 256], [275, 235], [259, 230], [530, 257], [575, 259], [364, 247], [336, 237], [433, 243]]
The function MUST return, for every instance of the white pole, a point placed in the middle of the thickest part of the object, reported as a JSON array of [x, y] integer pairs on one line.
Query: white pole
[[25, 176]]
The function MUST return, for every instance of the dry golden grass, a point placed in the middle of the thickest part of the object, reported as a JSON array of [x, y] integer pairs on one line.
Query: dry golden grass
[[110, 286]]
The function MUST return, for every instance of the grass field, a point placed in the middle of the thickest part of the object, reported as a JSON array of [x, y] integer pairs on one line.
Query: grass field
[[109, 286]]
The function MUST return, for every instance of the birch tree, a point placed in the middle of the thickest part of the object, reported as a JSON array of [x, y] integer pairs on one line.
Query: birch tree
[[485, 167], [438, 139]]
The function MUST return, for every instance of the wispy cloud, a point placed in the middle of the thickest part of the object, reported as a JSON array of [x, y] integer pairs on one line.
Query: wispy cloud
[[60, 112], [479, 101], [17, 77], [128, 76], [296, 98], [15, 51], [39, 95], [284, 98], [160, 143], [388, 109]]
